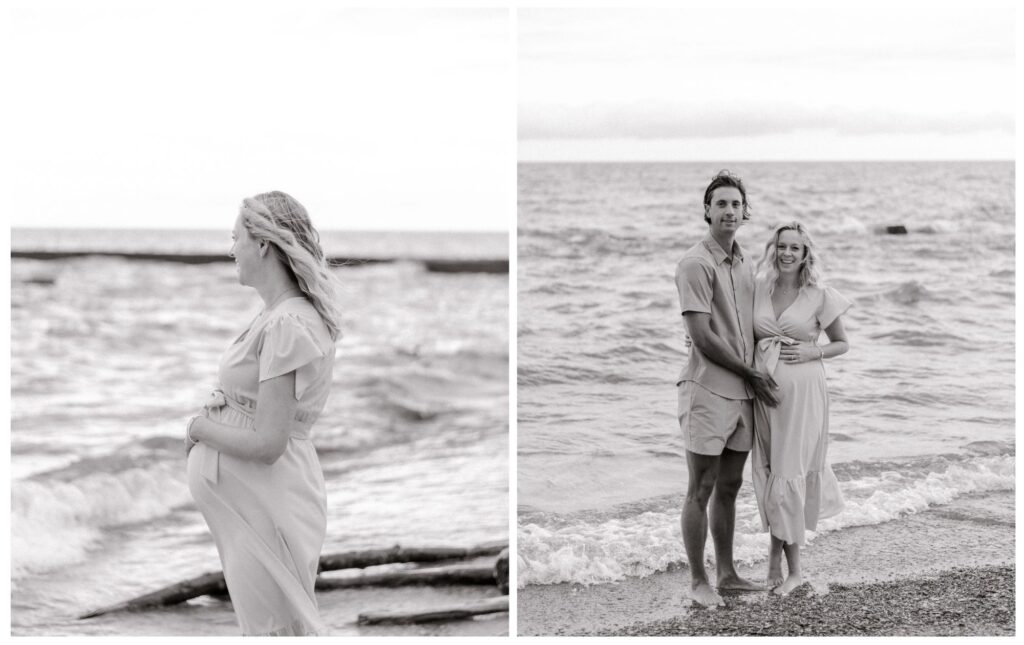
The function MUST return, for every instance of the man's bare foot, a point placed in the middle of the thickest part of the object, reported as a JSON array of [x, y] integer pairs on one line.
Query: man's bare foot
[[735, 583], [774, 578], [792, 582], [704, 595]]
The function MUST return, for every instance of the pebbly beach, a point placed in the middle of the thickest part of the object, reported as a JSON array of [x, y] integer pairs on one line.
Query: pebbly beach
[[949, 570]]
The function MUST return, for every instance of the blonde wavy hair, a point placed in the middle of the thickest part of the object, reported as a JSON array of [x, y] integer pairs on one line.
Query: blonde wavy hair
[[810, 266], [282, 221]]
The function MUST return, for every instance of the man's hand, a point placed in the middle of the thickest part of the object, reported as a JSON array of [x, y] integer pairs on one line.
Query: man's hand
[[764, 388]]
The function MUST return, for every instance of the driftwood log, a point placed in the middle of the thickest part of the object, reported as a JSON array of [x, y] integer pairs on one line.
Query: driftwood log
[[206, 584], [451, 612], [495, 265], [501, 571], [212, 584], [396, 554], [455, 575]]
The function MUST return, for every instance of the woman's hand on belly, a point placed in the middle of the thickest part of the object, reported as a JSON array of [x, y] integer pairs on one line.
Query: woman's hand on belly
[[215, 401], [799, 352]]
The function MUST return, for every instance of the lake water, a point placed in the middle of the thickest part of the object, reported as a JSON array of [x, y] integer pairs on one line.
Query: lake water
[[109, 357], [922, 407]]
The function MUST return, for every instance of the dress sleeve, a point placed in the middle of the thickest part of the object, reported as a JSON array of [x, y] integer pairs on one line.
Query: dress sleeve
[[695, 283], [833, 305], [289, 345]]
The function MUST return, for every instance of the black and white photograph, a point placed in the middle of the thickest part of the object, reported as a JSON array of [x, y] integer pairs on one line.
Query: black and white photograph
[[765, 320], [259, 318]]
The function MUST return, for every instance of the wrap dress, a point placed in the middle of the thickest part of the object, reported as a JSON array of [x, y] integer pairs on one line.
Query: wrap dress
[[793, 482], [269, 521]]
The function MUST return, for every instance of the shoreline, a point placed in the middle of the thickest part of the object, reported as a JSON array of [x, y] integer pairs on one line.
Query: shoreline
[[896, 557]]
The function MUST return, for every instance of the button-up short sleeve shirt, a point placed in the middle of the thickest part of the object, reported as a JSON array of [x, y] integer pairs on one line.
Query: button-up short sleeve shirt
[[711, 282]]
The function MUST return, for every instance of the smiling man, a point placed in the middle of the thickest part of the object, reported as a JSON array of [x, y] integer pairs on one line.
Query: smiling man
[[717, 385]]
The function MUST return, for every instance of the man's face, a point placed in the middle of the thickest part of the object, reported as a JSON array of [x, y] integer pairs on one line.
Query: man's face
[[725, 210]]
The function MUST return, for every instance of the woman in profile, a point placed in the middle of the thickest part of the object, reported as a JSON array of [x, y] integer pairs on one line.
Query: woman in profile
[[252, 468], [793, 482]]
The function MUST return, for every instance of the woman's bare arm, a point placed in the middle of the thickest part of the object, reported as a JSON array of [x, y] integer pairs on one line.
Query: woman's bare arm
[[275, 412]]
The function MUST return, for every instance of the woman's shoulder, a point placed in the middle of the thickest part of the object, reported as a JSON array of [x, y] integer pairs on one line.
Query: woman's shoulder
[[299, 312]]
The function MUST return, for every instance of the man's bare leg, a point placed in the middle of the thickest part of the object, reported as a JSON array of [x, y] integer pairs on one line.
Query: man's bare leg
[[703, 469], [723, 520], [794, 579], [775, 564]]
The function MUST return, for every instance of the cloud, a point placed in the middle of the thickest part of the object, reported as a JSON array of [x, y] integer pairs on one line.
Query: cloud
[[658, 120]]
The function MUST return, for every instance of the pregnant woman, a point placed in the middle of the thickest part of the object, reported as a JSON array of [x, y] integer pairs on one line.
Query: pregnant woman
[[793, 482], [252, 468]]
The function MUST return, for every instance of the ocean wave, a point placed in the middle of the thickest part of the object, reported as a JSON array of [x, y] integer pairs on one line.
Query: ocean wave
[[635, 352], [55, 523], [569, 373], [906, 293], [847, 225], [596, 548], [555, 288], [921, 338], [436, 387]]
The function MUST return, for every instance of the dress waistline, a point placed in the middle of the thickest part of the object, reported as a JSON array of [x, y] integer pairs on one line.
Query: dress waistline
[[246, 418]]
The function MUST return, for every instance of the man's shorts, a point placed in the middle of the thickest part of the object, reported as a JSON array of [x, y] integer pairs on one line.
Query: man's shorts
[[711, 423]]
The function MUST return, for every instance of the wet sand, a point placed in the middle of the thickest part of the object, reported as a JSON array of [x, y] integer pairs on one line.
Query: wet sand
[[881, 576]]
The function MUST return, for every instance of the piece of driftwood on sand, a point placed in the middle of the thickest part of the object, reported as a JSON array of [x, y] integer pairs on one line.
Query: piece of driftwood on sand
[[213, 583], [450, 612], [454, 575], [459, 574], [397, 554]]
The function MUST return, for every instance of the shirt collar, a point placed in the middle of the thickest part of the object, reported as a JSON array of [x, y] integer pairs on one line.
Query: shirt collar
[[718, 253]]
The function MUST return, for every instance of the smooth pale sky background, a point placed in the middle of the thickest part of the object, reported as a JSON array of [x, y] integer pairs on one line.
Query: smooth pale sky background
[[822, 81], [157, 115]]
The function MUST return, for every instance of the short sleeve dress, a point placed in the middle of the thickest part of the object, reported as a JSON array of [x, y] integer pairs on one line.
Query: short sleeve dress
[[793, 482], [269, 521]]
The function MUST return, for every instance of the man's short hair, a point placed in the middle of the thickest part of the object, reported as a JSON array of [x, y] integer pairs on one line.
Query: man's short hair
[[729, 180]]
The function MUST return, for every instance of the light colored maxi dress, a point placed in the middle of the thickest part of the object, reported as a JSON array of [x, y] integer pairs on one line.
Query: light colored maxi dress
[[269, 521], [793, 482]]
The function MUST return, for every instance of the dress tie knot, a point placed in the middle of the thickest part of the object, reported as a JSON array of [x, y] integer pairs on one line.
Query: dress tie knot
[[768, 350]]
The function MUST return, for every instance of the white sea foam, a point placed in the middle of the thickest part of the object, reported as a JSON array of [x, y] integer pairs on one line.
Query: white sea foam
[[55, 523], [604, 551]]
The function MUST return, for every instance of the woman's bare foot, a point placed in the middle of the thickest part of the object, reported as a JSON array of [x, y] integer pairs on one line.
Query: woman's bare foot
[[735, 583], [792, 582], [775, 577], [704, 595]]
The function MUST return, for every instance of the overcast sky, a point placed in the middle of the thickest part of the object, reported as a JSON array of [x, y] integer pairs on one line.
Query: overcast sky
[[822, 81], [168, 114]]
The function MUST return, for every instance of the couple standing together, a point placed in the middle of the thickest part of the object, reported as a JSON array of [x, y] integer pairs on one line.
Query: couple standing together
[[754, 381]]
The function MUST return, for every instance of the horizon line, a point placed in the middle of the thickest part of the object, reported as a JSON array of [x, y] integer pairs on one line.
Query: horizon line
[[901, 160], [413, 231]]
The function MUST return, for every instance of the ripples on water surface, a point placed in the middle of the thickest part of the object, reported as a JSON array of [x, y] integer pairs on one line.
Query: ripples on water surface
[[108, 359], [601, 464]]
